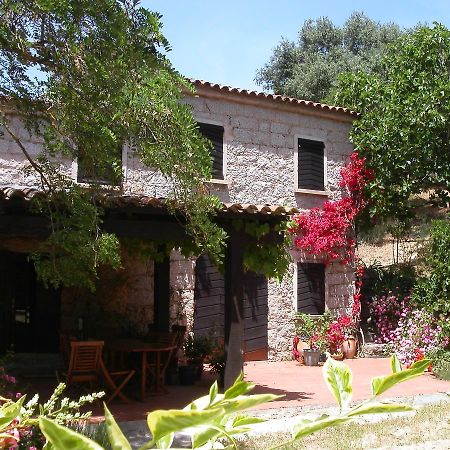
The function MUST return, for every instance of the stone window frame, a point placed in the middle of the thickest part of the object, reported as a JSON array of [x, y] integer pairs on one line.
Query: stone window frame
[[208, 121], [295, 279], [74, 172], [298, 190]]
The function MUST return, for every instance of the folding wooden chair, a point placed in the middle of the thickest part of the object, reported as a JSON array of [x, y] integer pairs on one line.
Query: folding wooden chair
[[122, 376], [84, 364]]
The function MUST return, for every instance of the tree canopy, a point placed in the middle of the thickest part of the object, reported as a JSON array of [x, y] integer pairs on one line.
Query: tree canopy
[[309, 68], [88, 77], [404, 127]]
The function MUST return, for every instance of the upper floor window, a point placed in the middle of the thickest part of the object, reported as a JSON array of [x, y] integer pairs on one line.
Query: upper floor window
[[90, 171], [311, 288], [215, 134], [311, 164]]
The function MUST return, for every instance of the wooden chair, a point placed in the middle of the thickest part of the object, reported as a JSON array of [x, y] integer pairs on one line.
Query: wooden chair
[[112, 378], [165, 339], [84, 363]]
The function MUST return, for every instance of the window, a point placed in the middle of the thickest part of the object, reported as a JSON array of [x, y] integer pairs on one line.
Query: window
[[90, 172], [311, 288], [311, 155], [215, 134]]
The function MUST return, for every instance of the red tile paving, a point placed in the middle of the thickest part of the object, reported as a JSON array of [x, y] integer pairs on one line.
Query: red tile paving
[[301, 385], [305, 386]]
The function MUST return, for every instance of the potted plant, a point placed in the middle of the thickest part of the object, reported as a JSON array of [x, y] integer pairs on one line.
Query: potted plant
[[306, 326], [317, 345], [217, 361], [348, 327], [196, 349]]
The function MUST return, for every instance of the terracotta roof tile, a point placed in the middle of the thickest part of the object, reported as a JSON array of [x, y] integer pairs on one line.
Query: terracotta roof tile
[[273, 97], [114, 200]]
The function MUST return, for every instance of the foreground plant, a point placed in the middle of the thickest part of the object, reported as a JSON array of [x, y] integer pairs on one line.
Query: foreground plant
[[214, 420], [19, 420]]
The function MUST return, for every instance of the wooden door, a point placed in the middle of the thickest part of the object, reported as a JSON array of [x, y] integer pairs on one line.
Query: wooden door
[[255, 318], [210, 308], [30, 312]]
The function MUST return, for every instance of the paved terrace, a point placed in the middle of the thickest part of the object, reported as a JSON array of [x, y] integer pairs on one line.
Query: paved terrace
[[303, 387]]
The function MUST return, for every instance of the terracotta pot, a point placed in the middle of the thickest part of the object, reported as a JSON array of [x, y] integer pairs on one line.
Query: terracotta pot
[[301, 346], [338, 356], [349, 347]]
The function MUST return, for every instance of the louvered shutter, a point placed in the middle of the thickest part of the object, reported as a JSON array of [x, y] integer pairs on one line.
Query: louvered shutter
[[215, 134], [311, 164], [311, 288]]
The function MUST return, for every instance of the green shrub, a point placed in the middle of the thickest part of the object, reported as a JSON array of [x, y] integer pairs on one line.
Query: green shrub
[[441, 363]]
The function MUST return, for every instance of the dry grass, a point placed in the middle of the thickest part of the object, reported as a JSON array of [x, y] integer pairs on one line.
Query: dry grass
[[430, 423]]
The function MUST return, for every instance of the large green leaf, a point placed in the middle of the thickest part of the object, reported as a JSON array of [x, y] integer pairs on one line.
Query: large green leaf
[[241, 420], [163, 422], [213, 391], [63, 438], [382, 384], [338, 378], [395, 364], [244, 402], [116, 438], [239, 388], [306, 427], [10, 411], [376, 408], [166, 441]]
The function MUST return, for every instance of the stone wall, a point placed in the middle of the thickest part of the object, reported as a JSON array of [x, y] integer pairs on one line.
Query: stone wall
[[182, 284], [259, 168], [121, 305]]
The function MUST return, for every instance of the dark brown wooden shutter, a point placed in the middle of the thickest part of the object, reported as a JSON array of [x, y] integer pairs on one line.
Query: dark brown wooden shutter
[[209, 297], [311, 288], [311, 164], [215, 134]]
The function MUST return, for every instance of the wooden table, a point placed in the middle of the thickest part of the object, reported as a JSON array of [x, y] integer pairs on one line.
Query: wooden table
[[139, 346]]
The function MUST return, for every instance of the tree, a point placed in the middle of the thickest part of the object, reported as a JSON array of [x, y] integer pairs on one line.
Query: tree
[[87, 78], [404, 127], [310, 68]]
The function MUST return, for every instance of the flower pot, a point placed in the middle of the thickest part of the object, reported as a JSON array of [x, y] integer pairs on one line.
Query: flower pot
[[349, 347], [311, 357], [301, 346], [188, 374], [338, 356]]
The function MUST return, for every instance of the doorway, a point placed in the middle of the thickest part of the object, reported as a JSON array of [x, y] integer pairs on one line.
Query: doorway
[[29, 312]]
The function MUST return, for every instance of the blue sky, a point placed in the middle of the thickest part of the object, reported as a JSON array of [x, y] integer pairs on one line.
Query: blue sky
[[227, 41]]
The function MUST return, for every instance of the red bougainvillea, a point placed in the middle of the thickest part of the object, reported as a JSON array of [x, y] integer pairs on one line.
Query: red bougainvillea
[[328, 232]]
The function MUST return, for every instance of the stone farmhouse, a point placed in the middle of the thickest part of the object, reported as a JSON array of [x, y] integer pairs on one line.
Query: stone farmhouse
[[273, 156]]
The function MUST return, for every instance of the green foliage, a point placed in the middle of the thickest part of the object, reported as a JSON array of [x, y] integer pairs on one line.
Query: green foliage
[[103, 82], [404, 122], [309, 68], [432, 291], [266, 251], [441, 363], [197, 347], [380, 280], [56, 411], [215, 416]]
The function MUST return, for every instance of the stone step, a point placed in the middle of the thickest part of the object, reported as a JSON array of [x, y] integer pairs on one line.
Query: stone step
[[372, 350]]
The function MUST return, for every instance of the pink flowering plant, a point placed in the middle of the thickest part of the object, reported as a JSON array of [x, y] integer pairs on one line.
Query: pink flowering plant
[[386, 312], [416, 336]]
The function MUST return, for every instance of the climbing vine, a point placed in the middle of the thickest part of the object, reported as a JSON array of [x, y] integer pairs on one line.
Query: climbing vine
[[329, 232], [266, 251]]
